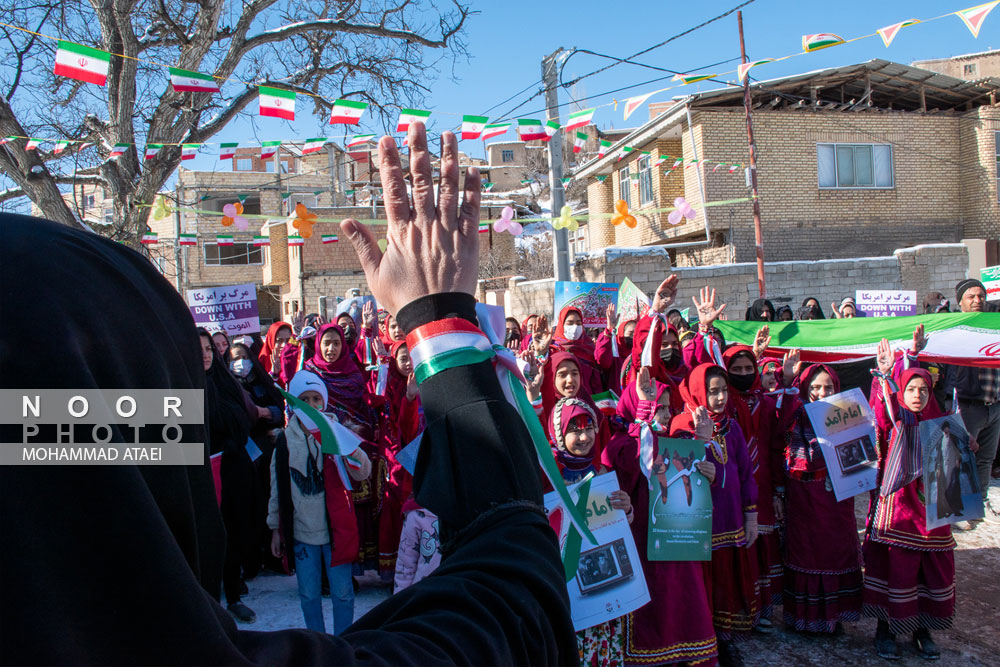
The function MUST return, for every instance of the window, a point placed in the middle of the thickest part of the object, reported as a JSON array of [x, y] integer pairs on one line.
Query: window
[[507, 156], [89, 201], [645, 180], [109, 216], [232, 255], [625, 186], [854, 166], [244, 164], [969, 70]]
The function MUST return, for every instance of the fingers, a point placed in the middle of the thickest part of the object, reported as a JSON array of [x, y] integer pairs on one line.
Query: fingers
[[397, 202], [468, 216], [420, 174], [448, 184], [364, 245]]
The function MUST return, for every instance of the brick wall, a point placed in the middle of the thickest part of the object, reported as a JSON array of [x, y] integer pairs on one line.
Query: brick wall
[[977, 136]]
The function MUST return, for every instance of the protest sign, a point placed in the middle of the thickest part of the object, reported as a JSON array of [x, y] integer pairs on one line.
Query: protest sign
[[608, 582], [886, 303], [843, 427], [592, 299], [680, 502], [951, 488], [231, 309], [990, 277], [632, 302]]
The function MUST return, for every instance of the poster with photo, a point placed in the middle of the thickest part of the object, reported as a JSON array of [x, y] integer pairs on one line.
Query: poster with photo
[[608, 582], [592, 299], [846, 434], [951, 488], [680, 503]]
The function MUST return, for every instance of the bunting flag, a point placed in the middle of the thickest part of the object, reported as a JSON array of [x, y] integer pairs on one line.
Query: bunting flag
[[296, 240], [149, 238], [821, 40], [318, 192], [889, 32], [973, 17], [348, 112], [633, 103], [484, 227], [579, 142], [551, 129], [716, 167], [277, 102], [566, 179], [7, 140], [152, 150], [313, 145], [529, 129], [495, 130], [188, 151], [224, 239], [745, 67], [329, 238], [473, 126], [693, 78], [242, 198], [624, 151], [407, 116], [32, 144], [691, 163], [259, 240], [227, 151], [349, 193], [187, 239], [184, 81], [285, 195], [603, 150], [733, 168], [678, 162], [660, 160], [60, 146], [580, 118], [488, 187], [360, 140], [118, 150], [268, 149], [82, 63]]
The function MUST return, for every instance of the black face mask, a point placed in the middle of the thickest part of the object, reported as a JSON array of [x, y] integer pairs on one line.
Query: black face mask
[[350, 335], [511, 335], [627, 340], [669, 356], [741, 382]]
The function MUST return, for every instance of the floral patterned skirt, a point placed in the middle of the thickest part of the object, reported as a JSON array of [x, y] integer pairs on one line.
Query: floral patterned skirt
[[601, 645]]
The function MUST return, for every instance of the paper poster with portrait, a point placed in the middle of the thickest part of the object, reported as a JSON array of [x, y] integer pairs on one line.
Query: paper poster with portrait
[[592, 299], [680, 502], [846, 433], [608, 582], [951, 488]]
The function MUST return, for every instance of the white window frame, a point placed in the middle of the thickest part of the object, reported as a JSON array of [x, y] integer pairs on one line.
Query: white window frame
[[504, 153], [645, 166], [970, 69], [872, 145], [249, 246], [625, 185]]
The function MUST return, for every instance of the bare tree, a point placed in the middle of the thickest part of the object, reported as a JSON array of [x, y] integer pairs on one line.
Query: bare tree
[[534, 257], [379, 51]]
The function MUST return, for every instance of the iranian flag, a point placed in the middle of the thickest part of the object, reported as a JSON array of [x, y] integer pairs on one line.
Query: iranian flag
[[296, 240], [473, 126], [693, 78], [495, 130], [60, 146], [118, 150], [184, 81], [677, 163], [974, 17], [889, 32], [529, 129], [187, 239], [360, 139], [152, 150], [149, 238], [32, 144], [348, 112], [733, 168], [484, 227], [227, 151], [742, 70], [7, 140], [407, 116], [579, 142], [820, 40], [188, 151], [551, 128], [606, 402], [268, 149], [224, 239], [965, 339], [625, 151], [82, 63], [261, 240], [313, 145], [633, 103], [328, 238], [488, 187], [276, 102], [603, 150], [580, 119]]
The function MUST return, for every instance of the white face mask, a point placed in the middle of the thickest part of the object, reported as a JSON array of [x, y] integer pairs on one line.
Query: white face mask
[[241, 367], [573, 331]]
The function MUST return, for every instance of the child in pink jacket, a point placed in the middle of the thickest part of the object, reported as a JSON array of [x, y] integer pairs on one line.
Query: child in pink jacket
[[419, 545]]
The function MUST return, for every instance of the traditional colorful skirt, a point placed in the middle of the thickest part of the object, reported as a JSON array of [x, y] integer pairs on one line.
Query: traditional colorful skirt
[[770, 571], [735, 594], [601, 645], [909, 589]]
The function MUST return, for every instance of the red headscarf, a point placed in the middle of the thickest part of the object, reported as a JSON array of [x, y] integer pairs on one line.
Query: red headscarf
[[694, 391], [270, 342], [343, 380], [564, 414], [624, 348], [583, 348], [904, 462], [383, 330], [738, 403], [932, 410], [648, 326], [806, 376]]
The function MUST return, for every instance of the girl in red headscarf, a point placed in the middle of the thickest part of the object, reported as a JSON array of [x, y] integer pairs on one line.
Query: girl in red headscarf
[[909, 570], [569, 337], [561, 377], [612, 348], [822, 556], [734, 507], [278, 336], [527, 332]]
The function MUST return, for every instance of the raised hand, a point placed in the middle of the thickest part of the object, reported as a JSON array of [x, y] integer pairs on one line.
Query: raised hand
[[790, 364], [411, 387], [835, 310], [433, 247], [298, 321], [368, 315], [885, 357], [645, 386], [542, 331], [707, 312], [534, 386], [919, 339], [761, 341], [610, 312], [704, 429], [665, 294]]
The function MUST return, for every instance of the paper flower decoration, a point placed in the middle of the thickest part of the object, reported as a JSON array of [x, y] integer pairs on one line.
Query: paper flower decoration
[[161, 209], [623, 215], [304, 221], [506, 223], [233, 214], [383, 244], [566, 220], [682, 210]]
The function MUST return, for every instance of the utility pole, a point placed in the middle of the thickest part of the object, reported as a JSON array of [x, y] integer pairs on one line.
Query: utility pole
[[177, 242], [560, 245], [758, 233]]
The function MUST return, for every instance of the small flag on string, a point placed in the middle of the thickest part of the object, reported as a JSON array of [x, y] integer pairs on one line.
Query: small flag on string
[[60, 146], [277, 102], [660, 160], [32, 144], [296, 240], [259, 240], [566, 179], [889, 32], [407, 116], [149, 238], [268, 149], [691, 163], [118, 150], [745, 67], [488, 187], [152, 150], [974, 17], [678, 163], [313, 145], [733, 168], [242, 198], [285, 195], [7, 140], [716, 167], [579, 119], [495, 130], [527, 181], [328, 238], [224, 239], [349, 193], [529, 129], [187, 239], [551, 128], [473, 126], [633, 103], [601, 177], [693, 78], [188, 151], [605, 145], [348, 112], [318, 192], [625, 151], [579, 142], [184, 81], [360, 139], [82, 63], [820, 40], [227, 151], [484, 227]]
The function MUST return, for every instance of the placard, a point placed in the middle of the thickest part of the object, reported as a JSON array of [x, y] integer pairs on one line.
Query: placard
[[680, 503], [609, 581], [632, 302], [592, 299], [886, 303], [844, 428], [231, 309], [990, 277], [951, 487]]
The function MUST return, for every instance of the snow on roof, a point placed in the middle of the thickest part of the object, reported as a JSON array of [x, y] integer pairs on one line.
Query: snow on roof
[[612, 253]]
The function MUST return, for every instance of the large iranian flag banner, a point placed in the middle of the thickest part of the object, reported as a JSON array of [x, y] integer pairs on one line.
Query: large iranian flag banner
[[965, 339]]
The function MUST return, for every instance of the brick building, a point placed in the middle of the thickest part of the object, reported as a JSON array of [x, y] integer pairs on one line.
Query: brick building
[[971, 66], [853, 161]]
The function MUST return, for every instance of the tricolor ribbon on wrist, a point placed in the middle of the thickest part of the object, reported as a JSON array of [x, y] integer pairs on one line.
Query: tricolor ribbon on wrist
[[444, 344], [712, 346], [781, 393]]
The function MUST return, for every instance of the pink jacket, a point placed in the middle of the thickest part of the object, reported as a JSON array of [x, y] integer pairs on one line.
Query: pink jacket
[[419, 545]]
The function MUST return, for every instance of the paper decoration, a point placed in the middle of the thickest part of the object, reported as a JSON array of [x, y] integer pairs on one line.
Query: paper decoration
[[187, 239], [566, 220], [276, 102], [820, 40], [973, 17], [889, 32], [551, 128], [605, 145], [601, 177], [473, 126], [348, 112], [32, 144], [82, 63], [161, 208], [745, 67], [149, 238], [633, 103], [579, 142], [360, 140], [304, 220], [384, 243], [693, 78], [184, 81], [295, 240], [233, 214], [188, 151], [118, 150], [622, 215], [328, 238], [484, 227], [260, 240], [733, 168], [580, 119], [506, 223], [682, 210], [7, 140], [529, 129], [565, 180], [407, 116], [60, 147], [313, 145], [224, 239], [152, 150], [268, 149], [227, 151], [495, 130], [624, 151]]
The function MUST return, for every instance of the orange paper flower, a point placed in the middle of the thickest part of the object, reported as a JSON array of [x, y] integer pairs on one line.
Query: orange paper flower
[[304, 221], [623, 215]]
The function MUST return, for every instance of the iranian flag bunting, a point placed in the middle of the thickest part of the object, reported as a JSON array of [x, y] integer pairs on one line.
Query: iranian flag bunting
[[60, 146], [149, 238], [188, 151], [348, 112], [677, 163], [473, 126], [313, 145], [733, 168], [488, 187], [484, 227], [187, 239], [32, 144], [7, 140], [973, 17], [152, 150], [716, 167], [580, 119], [227, 151], [625, 151], [261, 240], [579, 142], [82, 63], [633, 103], [529, 129], [407, 116], [329, 238], [693, 78], [821, 40], [603, 150], [551, 128], [224, 239], [118, 150], [745, 67], [889, 32], [495, 130], [277, 103], [296, 240], [184, 81], [360, 139], [268, 149]]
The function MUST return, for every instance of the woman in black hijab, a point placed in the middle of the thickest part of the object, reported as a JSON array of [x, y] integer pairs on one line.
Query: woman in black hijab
[[812, 303], [760, 310], [784, 314]]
